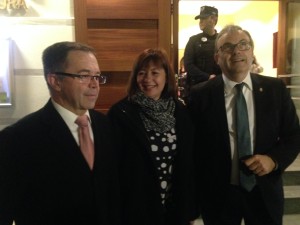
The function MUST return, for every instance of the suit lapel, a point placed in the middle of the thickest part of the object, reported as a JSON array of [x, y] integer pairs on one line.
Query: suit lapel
[[61, 135], [219, 101], [221, 116], [57, 128], [100, 139], [135, 121], [260, 106]]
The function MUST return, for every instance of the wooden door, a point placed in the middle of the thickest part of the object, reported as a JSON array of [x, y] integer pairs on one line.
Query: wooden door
[[119, 30]]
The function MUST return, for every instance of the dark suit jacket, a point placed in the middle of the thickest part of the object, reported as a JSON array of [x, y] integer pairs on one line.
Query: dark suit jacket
[[277, 135], [138, 176], [44, 178]]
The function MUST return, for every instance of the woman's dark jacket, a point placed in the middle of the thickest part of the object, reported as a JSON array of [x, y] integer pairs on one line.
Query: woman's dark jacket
[[139, 180]]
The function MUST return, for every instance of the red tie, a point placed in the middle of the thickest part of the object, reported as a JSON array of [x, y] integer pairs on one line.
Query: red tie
[[85, 141]]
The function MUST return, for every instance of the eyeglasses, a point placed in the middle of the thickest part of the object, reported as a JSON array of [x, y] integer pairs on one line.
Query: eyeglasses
[[85, 79], [229, 48]]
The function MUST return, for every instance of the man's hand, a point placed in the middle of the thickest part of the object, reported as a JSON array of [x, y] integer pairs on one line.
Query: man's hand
[[260, 164]]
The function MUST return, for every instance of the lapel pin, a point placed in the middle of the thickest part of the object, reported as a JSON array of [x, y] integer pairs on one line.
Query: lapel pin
[[261, 89]]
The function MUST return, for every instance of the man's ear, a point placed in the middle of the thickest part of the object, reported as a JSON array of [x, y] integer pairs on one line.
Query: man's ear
[[54, 82]]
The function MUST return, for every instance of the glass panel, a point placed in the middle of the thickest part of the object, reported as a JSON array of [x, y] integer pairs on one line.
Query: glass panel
[[293, 51], [5, 73]]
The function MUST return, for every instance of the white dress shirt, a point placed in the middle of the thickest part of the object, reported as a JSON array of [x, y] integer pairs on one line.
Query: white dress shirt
[[69, 118], [229, 94]]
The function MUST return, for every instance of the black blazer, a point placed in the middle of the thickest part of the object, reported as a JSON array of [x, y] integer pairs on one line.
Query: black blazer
[[44, 178], [277, 135], [139, 181]]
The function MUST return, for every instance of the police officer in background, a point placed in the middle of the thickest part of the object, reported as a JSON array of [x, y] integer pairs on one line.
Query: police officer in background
[[199, 52]]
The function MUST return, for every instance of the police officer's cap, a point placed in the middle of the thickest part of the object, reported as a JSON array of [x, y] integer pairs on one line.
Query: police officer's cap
[[206, 11]]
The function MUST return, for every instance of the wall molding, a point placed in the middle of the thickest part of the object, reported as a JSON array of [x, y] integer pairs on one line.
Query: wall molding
[[8, 121], [68, 21], [28, 72]]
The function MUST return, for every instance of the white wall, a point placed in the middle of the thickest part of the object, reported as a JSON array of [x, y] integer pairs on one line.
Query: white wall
[[32, 30]]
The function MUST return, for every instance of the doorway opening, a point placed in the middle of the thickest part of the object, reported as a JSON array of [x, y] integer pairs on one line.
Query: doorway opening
[[250, 15]]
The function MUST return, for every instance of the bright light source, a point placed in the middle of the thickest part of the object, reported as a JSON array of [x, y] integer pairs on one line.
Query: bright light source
[[5, 72]]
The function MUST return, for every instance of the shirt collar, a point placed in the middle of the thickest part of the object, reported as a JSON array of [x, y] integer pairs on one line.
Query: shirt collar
[[68, 116], [229, 84]]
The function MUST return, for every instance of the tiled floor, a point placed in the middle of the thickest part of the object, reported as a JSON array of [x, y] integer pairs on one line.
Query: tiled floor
[[295, 166], [292, 192]]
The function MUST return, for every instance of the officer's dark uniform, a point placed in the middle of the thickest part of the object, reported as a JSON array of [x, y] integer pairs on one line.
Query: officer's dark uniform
[[199, 52], [199, 58]]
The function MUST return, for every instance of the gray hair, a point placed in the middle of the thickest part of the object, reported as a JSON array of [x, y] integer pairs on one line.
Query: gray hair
[[231, 29]]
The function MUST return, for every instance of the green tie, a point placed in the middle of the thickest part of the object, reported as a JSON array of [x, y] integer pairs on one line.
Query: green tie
[[247, 179]]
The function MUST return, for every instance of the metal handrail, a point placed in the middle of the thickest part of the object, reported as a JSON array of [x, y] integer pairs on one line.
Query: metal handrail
[[293, 86], [289, 75]]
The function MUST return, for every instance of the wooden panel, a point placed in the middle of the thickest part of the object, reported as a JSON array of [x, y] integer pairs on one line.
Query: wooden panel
[[275, 42], [122, 24], [165, 28], [168, 25], [119, 30], [113, 90], [80, 21], [175, 31], [117, 48], [122, 9]]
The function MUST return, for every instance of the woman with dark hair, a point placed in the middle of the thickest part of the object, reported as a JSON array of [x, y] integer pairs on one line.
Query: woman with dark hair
[[155, 152]]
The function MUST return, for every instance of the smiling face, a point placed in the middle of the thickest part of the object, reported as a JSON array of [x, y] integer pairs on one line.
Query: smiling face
[[235, 64], [151, 80]]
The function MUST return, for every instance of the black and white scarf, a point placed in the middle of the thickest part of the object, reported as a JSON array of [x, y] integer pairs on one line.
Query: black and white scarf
[[157, 115]]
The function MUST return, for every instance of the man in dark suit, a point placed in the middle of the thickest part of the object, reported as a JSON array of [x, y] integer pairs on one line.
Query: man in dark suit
[[274, 140], [44, 176]]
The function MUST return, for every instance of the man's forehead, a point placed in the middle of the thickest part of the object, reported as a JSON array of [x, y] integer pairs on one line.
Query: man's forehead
[[234, 37]]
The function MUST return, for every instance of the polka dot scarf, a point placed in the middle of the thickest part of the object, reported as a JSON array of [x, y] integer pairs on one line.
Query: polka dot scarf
[[157, 115]]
